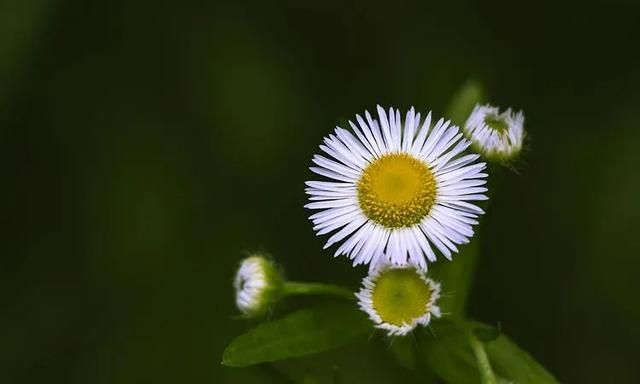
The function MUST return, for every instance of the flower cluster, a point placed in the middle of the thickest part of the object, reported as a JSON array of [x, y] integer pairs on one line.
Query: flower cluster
[[395, 191]]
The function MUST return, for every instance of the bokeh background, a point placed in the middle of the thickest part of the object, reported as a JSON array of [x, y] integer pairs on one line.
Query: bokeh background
[[147, 145]]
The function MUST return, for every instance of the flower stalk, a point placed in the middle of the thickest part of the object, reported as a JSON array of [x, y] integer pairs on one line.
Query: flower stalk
[[484, 366], [291, 288]]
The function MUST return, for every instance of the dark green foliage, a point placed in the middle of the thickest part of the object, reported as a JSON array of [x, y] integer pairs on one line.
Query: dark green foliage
[[300, 333]]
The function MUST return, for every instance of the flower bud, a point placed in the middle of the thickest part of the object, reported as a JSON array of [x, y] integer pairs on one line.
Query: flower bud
[[258, 286], [496, 136]]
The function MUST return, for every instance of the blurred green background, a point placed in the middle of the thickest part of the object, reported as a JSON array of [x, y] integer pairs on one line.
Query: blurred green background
[[146, 146]]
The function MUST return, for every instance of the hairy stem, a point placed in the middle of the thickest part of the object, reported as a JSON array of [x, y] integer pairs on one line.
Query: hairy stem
[[486, 373]]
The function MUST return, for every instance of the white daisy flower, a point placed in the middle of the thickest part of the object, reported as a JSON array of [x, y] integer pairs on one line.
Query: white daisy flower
[[399, 299], [497, 136], [258, 285], [396, 189]]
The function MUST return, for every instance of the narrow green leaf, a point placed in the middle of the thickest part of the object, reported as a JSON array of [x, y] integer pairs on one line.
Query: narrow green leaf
[[485, 333], [456, 277], [515, 364], [447, 350], [300, 333], [464, 100]]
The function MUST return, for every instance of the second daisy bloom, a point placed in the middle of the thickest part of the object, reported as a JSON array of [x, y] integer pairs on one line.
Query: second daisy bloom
[[398, 299], [395, 190]]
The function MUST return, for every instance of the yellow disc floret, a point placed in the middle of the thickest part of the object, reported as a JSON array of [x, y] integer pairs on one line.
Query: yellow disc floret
[[397, 190], [401, 296]]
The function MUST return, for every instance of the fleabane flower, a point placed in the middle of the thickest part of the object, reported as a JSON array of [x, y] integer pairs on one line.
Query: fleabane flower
[[497, 136], [395, 189], [398, 299], [258, 286]]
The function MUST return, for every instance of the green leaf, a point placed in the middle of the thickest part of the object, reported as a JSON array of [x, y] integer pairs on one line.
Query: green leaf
[[514, 364], [300, 333], [463, 101], [366, 361], [485, 333], [456, 277], [447, 350]]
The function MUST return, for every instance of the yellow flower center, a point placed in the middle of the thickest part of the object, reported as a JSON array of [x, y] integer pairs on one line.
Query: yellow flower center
[[397, 190], [401, 296]]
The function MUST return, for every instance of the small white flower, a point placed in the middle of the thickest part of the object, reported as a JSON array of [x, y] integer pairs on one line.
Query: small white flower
[[396, 189], [497, 136], [258, 286], [398, 299]]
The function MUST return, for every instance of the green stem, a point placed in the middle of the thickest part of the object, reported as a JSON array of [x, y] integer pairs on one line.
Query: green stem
[[299, 288], [486, 373]]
